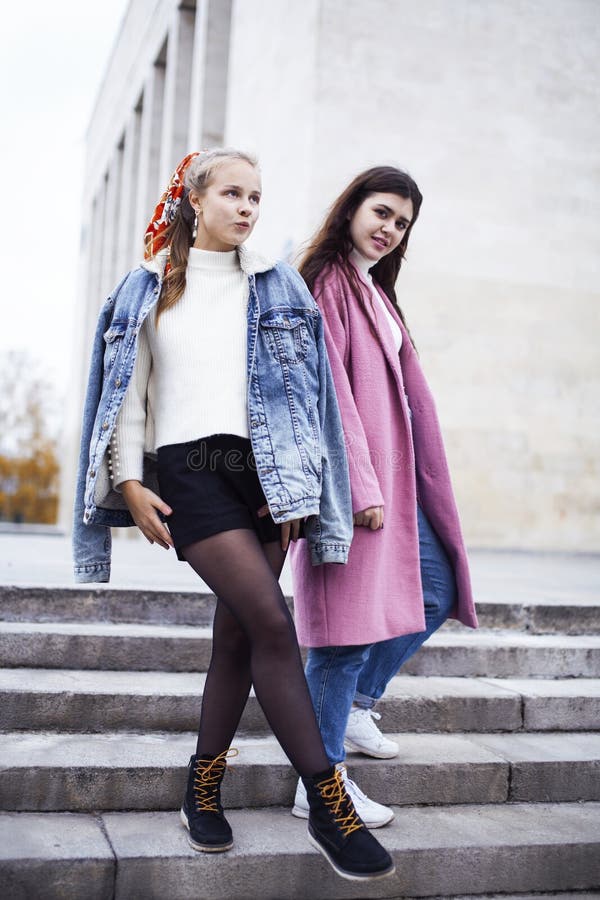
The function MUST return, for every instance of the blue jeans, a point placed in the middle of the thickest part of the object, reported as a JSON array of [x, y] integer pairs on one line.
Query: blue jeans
[[340, 676]]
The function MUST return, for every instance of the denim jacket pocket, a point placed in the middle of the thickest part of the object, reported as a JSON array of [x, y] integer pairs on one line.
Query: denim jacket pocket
[[113, 338], [287, 336]]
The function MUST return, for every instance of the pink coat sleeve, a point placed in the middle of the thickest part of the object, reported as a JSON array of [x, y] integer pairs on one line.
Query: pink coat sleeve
[[364, 484]]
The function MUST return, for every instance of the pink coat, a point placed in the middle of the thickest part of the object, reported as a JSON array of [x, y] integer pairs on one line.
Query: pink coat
[[377, 595]]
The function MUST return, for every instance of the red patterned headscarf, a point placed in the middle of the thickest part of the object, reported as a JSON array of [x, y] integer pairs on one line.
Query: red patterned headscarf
[[163, 215]]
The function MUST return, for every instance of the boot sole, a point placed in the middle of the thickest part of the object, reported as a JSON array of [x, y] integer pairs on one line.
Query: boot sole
[[203, 848], [376, 754], [344, 873], [303, 814]]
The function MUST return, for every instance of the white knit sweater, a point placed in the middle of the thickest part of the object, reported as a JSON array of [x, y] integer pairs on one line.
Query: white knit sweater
[[190, 369]]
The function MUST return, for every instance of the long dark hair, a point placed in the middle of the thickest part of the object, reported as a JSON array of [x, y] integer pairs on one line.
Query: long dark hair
[[332, 243]]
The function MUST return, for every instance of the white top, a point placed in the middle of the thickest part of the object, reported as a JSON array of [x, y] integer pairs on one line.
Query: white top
[[361, 262], [191, 368]]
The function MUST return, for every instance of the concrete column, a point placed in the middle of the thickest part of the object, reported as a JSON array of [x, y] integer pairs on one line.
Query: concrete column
[[216, 70], [148, 187], [108, 268], [180, 47], [197, 76], [209, 74], [126, 199], [91, 281]]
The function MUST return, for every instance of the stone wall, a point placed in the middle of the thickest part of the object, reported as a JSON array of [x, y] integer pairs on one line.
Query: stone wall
[[492, 107]]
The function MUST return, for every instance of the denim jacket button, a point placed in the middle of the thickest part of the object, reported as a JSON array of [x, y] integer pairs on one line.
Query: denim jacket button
[[104, 426], [92, 473], [118, 382]]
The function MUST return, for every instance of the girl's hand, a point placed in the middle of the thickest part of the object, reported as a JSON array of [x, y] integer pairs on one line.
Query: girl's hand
[[289, 530], [142, 504], [372, 517]]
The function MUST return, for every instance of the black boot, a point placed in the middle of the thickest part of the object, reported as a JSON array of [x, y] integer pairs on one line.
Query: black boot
[[202, 813], [335, 829]]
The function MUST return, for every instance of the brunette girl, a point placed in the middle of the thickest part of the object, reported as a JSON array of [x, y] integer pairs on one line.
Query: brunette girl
[[210, 395], [362, 621]]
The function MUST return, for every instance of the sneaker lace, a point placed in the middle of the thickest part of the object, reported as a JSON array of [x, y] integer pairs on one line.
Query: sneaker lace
[[207, 778], [351, 786], [336, 798], [367, 716]]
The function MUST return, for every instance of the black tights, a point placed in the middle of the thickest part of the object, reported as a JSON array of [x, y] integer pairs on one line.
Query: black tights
[[254, 643]]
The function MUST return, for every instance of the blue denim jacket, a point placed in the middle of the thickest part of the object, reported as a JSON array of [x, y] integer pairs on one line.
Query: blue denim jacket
[[294, 421]]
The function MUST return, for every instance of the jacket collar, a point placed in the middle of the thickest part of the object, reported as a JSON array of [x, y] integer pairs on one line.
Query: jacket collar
[[251, 262]]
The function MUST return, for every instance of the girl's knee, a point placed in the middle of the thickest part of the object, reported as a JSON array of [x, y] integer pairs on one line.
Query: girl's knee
[[277, 635], [232, 640], [440, 601]]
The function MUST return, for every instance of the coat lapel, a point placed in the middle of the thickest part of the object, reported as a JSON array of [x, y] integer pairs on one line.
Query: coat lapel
[[384, 335]]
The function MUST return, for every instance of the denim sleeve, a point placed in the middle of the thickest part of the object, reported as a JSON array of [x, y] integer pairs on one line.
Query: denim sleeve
[[335, 512], [91, 543]]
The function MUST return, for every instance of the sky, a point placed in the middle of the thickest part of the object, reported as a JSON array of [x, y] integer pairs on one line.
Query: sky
[[53, 59]]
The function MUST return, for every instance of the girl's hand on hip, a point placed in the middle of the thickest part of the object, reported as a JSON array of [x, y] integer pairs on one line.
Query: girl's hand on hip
[[142, 504], [372, 517]]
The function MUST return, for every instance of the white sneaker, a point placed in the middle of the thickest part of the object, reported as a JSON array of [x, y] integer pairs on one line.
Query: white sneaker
[[374, 815], [362, 734]]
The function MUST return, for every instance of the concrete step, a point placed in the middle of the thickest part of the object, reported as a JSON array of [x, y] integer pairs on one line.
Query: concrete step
[[543, 614], [89, 603], [185, 648], [132, 771], [88, 700], [505, 654], [438, 851], [546, 895]]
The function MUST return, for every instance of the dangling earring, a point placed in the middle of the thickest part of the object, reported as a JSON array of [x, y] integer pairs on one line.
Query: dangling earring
[[195, 228]]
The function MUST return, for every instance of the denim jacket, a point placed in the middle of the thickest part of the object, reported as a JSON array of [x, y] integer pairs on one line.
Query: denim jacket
[[293, 416]]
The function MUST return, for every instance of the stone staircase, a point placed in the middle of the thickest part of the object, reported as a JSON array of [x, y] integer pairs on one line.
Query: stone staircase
[[496, 789]]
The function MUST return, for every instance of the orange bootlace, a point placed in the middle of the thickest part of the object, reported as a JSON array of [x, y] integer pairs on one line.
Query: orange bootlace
[[334, 794], [207, 777]]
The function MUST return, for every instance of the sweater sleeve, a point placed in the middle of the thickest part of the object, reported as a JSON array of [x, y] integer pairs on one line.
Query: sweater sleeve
[[364, 483], [127, 440]]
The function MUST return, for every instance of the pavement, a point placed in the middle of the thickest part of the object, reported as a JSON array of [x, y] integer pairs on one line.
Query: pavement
[[43, 558]]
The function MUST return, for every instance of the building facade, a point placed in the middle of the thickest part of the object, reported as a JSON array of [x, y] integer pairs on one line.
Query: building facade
[[492, 107]]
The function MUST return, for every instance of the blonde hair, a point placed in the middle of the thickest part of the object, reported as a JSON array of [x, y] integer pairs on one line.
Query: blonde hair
[[178, 236]]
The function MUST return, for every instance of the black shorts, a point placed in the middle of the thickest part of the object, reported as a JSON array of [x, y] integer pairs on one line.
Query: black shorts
[[211, 484]]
